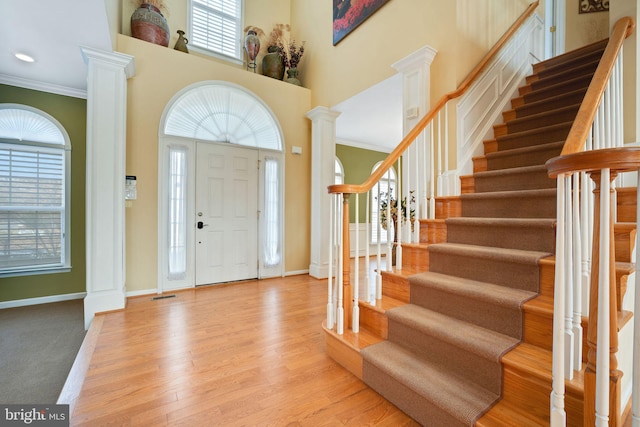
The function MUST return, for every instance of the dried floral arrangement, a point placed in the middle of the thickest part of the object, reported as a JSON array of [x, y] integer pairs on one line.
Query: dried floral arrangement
[[279, 33], [291, 54]]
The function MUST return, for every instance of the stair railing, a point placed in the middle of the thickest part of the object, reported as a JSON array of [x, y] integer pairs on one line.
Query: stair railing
[[428, 142], [586, 276]]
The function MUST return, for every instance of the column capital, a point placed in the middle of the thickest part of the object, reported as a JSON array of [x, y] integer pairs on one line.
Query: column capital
[[126, 62], [322, 113], [422, 57]]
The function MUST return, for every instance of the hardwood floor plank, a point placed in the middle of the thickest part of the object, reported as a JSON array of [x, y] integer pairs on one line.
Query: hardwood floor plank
[[249, 353]]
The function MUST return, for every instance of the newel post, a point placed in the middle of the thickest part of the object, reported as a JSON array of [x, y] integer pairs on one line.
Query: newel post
[[346, 256], [590, 382]]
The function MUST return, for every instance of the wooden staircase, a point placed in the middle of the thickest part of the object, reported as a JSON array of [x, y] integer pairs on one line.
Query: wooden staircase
[[541, 116]]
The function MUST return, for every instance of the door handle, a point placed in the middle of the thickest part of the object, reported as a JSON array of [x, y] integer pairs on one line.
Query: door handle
[[201, 225]]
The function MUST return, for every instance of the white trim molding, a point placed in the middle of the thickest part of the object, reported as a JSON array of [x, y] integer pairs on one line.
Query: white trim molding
[[41, 300], [105, 181]]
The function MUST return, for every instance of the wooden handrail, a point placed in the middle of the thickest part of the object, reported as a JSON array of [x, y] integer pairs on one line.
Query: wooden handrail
[[422, 124], [589, 107]]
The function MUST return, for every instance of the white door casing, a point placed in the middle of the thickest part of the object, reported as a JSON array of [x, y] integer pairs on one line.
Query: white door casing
[[226, 213]]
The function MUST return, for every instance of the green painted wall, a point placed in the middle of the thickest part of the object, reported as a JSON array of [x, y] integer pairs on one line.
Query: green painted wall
[[72, 114], [357, 164]]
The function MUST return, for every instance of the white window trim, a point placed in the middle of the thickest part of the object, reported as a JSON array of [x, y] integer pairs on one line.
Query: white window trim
[[239, 60], [66, 262]]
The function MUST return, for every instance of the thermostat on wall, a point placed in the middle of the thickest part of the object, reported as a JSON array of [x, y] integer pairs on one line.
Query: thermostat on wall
[[130, 190]]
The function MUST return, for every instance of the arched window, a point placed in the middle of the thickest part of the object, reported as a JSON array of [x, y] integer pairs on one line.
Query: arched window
[[385, 187], [34, 192], [339, 172]]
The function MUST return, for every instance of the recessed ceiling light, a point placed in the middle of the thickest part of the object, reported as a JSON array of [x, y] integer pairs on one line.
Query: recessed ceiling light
[[24, 57]]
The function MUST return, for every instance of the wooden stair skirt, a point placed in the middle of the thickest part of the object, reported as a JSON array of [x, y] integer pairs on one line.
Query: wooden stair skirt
[[463, 336]]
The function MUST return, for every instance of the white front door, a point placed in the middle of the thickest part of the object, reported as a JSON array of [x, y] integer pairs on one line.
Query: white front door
[[226, 213]]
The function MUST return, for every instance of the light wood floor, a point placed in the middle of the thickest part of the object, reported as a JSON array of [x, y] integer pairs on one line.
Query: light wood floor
[[245, 354]]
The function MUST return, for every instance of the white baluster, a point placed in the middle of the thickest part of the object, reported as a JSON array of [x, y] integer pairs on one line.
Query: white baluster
[[330, 307], [567, 254], [602, 353], [432, 177], [389, 224], [355, 319], [577, 272], [439, 175], [340, 310], [446, 148], [417, 180], [558, 416], [379, 252], [367, 250]]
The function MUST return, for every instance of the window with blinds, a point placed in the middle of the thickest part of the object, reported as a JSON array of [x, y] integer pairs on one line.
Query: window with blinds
[[216, 26], [32, 207]]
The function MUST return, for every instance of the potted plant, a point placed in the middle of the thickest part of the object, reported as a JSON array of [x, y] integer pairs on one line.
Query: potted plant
[[406, 213], [148, 23], [291, 55]]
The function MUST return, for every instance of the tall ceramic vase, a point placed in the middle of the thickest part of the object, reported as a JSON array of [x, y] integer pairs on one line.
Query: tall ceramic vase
[[147, 23], [272, 65], [252, 47]]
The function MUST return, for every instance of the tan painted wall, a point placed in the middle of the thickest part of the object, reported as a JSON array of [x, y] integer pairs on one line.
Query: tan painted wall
[[584, 28], [462, 31], [160, 74]]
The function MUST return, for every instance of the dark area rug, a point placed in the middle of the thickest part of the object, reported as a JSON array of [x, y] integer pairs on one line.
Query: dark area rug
[[38, 345]]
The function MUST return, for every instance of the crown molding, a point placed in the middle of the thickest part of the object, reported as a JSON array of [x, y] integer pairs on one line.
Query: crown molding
[[43, 86]]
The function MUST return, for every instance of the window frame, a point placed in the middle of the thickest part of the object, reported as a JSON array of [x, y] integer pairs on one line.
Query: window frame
[[206, 51], [64, 147]]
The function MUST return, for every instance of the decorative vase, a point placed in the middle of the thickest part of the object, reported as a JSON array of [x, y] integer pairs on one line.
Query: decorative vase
[[181, 43], [292, 77], [272, 65], [148, 24], [252, 46]]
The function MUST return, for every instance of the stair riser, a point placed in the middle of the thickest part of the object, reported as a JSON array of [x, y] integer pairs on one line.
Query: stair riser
[[395, 286], [466, 364], [514, 207], [498, 271], [432, 232], [554, 134], [531, 394], [517, 159], [416, 258], [410, 402], [469, 309], [529, 238], [374, 321], [513, 182], [626, 198], [538, 329]]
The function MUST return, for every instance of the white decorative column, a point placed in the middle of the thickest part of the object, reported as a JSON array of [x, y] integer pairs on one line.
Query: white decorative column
[[415, 70], [323, 154], [105, 178]]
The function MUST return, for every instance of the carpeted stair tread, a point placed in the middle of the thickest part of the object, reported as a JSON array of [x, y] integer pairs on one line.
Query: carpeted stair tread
[[462, 400], [484, 252], [550, 103], [480, 291], [558, 88], [569, 59], [485, 343], [539, 135], [539, 203], [533, 233], [491, 306], [524, 156], [546, 118], [513, 179], [588, 65]]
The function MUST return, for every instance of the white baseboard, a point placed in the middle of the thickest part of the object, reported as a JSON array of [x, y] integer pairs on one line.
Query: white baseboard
[[142, 293], [296, 273], [41, 300]]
